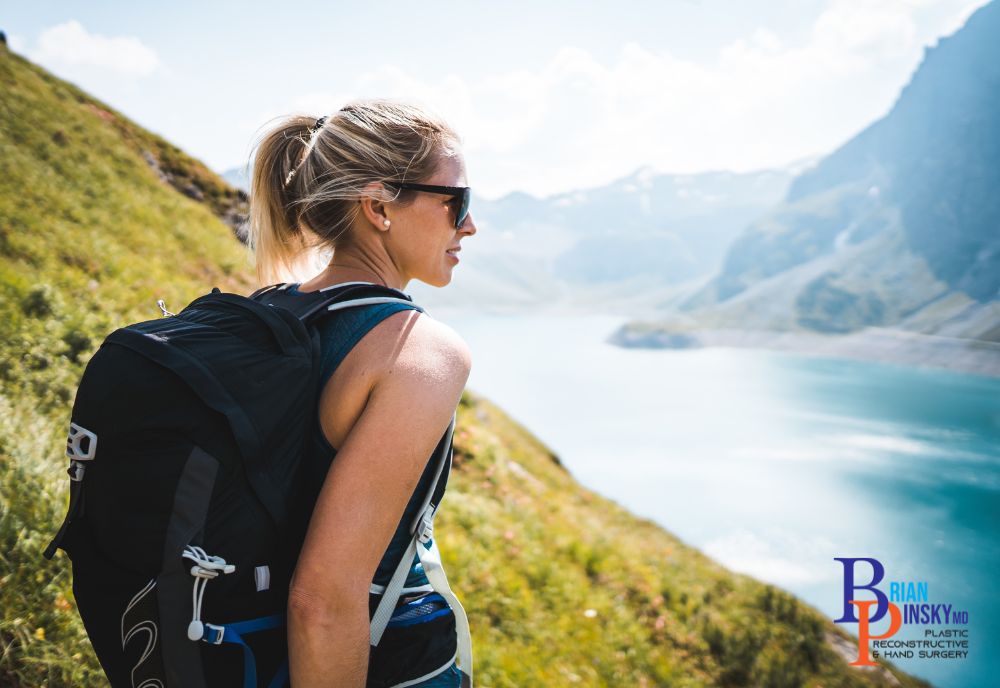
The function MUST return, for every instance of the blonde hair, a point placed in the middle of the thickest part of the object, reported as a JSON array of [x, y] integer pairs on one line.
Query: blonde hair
[[306, 182]]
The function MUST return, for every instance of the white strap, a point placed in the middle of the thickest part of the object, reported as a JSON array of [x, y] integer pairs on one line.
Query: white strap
[[377, 589], [431, 560], [347, 284], [387, 604], [343, 284], [423, 531], [365, 302]]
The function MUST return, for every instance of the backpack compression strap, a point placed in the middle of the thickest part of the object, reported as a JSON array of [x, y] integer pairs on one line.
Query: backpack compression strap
[[81, 446]]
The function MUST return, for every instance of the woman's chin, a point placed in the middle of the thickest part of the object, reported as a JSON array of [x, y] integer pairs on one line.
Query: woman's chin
[[441, 279]]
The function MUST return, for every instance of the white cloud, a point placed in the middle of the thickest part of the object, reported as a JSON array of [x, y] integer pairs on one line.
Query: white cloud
[[317, 103], [70, 45], [577, 121], [861, 29]]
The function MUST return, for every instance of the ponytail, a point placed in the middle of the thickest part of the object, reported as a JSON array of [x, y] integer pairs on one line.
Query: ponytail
[[275, 237]]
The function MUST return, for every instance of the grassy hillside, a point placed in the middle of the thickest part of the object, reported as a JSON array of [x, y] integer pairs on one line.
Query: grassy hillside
[[98, 219], [562, 587]]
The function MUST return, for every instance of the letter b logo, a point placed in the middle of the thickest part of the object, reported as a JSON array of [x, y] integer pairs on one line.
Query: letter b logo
[[850, 586]]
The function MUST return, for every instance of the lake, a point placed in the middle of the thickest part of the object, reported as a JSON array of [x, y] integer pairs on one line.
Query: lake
[[772, 463]]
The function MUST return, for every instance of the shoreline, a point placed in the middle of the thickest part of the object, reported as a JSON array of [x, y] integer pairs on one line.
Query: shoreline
[[876, 344]]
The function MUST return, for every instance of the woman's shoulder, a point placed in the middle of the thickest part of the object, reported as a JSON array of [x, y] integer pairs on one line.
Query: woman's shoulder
[[378, 339], [422, 340]]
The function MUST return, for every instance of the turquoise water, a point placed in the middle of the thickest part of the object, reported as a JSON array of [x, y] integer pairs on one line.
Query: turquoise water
[[772, 463]]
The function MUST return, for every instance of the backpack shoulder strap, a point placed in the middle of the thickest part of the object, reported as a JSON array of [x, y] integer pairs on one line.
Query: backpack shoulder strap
[[421, 530], [430, 558], [310, 307], [264, 290]]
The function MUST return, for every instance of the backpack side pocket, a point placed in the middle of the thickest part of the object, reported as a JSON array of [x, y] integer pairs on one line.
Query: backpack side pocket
[[419, 642]]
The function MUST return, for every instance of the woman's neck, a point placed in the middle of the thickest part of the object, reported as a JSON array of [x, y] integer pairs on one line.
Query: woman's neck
[[336, 273]]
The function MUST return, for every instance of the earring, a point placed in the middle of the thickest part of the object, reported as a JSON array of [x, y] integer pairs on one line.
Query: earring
[[385, 222]]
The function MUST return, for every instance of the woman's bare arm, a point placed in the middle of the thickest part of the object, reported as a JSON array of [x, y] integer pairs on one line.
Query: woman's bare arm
[[363, 499]]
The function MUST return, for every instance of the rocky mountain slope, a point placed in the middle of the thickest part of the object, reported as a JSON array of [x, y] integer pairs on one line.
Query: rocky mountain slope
[[899, 227], [935, 159]]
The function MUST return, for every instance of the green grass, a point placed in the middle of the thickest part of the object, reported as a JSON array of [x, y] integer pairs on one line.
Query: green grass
[[562, 587], [90, 238]]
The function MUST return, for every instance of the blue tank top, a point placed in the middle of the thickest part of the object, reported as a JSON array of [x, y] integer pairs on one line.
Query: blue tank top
[[339, 332]]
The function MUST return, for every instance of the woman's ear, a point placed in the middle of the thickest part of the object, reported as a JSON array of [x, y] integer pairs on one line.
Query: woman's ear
[[373, 208]]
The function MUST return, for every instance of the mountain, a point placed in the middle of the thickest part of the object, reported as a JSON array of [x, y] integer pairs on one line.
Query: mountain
[[898, 228], [620, 246], [562, 586]]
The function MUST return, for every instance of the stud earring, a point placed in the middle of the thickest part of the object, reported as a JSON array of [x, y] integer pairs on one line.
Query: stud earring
[[385, 222]]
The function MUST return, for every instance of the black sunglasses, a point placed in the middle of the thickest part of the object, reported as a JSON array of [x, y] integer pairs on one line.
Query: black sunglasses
[[461, 194]]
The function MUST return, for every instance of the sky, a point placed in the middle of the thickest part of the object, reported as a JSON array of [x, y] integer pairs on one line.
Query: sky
[[547, 97]]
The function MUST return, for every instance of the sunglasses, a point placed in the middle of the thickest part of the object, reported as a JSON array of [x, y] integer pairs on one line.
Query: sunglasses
[[461, 196]]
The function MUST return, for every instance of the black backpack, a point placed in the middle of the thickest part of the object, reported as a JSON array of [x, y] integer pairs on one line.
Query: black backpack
[[192, 483]]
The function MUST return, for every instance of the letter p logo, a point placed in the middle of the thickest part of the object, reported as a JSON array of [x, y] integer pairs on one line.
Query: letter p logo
[[895, 621]]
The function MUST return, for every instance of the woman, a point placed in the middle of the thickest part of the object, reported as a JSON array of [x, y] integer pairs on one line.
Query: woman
[[341, 188]]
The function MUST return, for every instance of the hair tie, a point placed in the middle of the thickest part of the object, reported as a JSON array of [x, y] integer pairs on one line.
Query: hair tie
[[312, 132]]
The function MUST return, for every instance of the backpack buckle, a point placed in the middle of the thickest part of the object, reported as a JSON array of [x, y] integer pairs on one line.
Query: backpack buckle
[[426, 529], [219, 633], [76, 471], [81, 443]]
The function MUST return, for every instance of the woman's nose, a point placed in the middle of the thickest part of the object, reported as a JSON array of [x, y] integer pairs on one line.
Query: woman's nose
[[469, 225]]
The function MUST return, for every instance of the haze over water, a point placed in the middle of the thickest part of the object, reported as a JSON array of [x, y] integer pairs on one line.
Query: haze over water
[[771, 463]]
